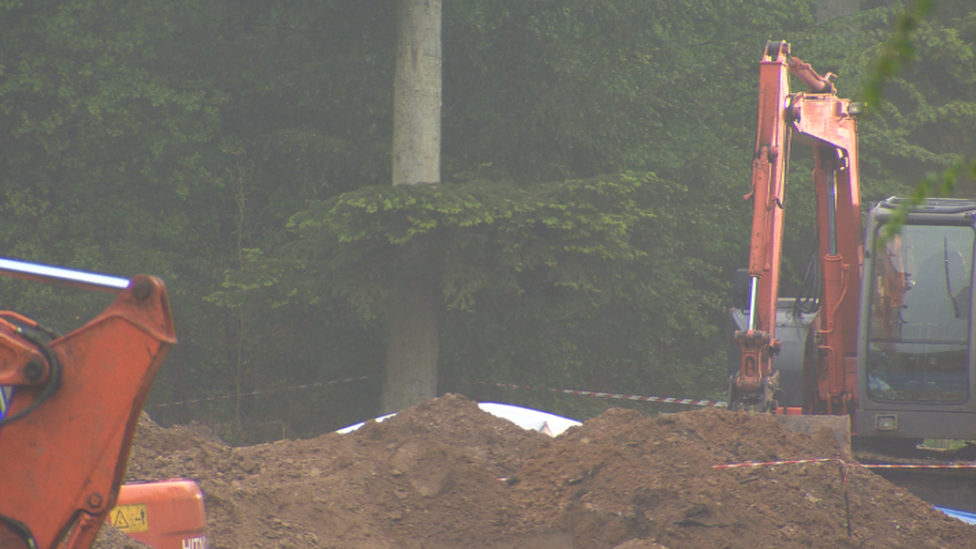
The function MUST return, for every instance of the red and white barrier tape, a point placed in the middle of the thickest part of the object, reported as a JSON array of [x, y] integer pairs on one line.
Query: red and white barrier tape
[[618, 396], [598, 394], [865, 465], [266, 391], [918, 466], [767, 463]]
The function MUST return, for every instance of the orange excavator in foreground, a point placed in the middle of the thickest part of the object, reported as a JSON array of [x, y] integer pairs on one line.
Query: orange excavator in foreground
[[885, 336], [70, 405]]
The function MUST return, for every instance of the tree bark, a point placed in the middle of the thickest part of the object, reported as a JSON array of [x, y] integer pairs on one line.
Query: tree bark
[[412, 346], [417, 93], [413, 326]]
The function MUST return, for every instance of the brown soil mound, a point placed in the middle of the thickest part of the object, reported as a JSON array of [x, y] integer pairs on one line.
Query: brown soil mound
[[113, 538], [444, 474]]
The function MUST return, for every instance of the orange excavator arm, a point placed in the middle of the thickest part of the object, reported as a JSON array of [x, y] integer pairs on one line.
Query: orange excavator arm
[[820, 119], [67, 429], [756, 382]]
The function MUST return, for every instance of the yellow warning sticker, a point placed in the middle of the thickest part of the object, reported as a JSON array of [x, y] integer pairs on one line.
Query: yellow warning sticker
[[130, 517]]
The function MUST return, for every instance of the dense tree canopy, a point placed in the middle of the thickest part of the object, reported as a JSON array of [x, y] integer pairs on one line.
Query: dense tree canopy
[[589, 212]]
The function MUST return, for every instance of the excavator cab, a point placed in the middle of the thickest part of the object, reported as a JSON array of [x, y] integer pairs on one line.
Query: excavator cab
[[915, 358]]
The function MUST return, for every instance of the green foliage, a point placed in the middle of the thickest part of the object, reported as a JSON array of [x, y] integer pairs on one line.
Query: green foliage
[[475, 234], [595, 153], [598, 269], [100, 143], [897, 50], [654, 326], [919, 101], [928, 99], [546, 91]]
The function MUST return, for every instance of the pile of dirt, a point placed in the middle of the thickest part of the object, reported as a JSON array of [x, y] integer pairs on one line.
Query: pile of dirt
[[445, 474], [113, 538]]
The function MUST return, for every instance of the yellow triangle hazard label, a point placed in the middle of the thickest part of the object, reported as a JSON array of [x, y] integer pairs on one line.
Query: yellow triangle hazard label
[[119, 520], [129, 517]]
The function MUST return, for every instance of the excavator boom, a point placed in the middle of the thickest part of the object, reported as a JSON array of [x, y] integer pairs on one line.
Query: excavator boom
[[73, 404], [822, 120]]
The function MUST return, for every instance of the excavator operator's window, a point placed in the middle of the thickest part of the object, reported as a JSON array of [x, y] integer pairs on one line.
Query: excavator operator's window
[[919, 328]]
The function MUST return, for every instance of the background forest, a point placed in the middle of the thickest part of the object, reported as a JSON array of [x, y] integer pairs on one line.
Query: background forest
[[588, 221]]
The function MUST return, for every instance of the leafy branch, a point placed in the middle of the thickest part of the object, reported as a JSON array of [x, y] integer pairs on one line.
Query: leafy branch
[[475, 236], [894, 55]]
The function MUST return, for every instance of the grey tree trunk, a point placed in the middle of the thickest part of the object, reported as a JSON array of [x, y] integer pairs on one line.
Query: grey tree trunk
[[417, 93], [412, 345], [413, 326]]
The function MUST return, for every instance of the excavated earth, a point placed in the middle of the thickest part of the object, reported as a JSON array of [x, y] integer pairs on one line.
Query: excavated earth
[[445, 474]]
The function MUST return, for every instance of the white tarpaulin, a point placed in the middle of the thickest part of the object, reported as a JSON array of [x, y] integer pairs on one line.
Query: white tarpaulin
[[526, 418]]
